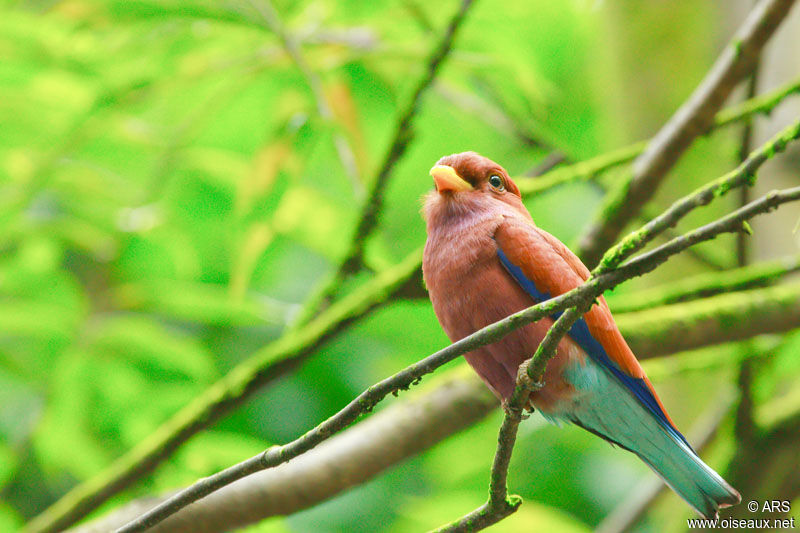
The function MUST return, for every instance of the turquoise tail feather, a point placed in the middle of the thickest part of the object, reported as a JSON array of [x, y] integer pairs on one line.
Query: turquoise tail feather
[[604, 406]]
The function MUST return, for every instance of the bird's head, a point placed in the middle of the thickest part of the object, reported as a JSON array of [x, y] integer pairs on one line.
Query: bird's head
[[468, 182]]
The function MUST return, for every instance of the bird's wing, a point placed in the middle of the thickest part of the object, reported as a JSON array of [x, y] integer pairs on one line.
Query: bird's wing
[[544, 267]]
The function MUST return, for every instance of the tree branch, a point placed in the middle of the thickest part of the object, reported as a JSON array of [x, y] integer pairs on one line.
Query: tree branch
[[718, 319], [705, 285], [233, 501], [447, 405], [529, 378], [269, 363], [691, 120], [744, 174], [580, 299]]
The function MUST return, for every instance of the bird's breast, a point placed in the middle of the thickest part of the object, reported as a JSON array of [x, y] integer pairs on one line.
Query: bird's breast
[[470, 289]]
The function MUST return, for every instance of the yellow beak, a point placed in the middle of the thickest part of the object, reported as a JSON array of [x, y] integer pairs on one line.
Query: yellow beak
[[447, 179]]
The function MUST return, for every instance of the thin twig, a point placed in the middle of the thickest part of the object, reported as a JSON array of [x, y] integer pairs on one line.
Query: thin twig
[[500, 504], [580, 299], [343, 149], [550, 161], [529, 378], [698, 254], [742, 175], [692, 119]]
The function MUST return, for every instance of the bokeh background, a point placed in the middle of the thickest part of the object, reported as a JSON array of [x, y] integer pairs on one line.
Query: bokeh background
[[171, 194]]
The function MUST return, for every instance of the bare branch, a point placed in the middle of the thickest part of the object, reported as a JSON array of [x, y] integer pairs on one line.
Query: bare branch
[[693, 119]]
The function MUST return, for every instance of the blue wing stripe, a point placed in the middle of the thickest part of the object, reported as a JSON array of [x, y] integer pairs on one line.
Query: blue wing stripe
[[582, 336]]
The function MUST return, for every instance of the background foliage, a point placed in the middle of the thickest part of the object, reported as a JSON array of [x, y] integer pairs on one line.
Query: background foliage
[[170, 196]]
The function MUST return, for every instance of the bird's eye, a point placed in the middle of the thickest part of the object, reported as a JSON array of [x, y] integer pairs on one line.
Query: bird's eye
[[496, 182]]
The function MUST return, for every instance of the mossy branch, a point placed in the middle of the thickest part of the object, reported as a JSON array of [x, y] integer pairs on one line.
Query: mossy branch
[[462, 397], [718, 319], [271, 362], [577, 301], [744, 174], [705, 285], [148, 455], [692, 119]]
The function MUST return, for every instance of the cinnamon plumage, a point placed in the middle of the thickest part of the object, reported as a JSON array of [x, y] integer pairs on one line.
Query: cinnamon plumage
[[486, 259]]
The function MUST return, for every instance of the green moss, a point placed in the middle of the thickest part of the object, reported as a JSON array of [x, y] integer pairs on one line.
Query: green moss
[[514, 500]]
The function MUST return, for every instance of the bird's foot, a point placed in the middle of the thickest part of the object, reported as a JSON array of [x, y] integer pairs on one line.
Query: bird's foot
[[529, 383], [515, 412]]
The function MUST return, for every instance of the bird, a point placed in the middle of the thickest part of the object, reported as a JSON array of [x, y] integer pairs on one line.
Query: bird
[[485, 259]]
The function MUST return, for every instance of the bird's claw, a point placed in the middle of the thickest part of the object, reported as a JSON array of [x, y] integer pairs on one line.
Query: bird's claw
[[515, 412], [529, 383]]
